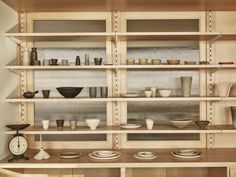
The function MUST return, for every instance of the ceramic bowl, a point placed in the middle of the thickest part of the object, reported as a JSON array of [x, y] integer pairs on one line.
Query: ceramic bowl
[[202, 123], [156, 61], [148, 93], [92, 123], [164, 93], [69, 92], [189, 62], [143, 61], [130, 61], [181, 123], [173, 62]]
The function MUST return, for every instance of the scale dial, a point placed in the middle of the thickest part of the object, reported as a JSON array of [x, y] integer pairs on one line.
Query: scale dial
[[18, 145]]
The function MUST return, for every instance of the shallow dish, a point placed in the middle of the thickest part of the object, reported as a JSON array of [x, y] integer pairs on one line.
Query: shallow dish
[[145, 154], [69, 155], [105, 153], [137, 156], [173, 62], [93, 156], [202, 123], [130, 95], [164, 93], [181, 123], [187, 154], [69, 92], [130, 126]]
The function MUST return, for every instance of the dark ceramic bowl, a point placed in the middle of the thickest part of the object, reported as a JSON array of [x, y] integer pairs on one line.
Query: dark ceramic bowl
[[69, 92], [17, 126], [202, 123]]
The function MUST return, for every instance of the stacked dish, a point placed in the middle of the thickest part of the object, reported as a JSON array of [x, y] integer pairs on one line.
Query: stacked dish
[[69, 155], [104, 155], [130, 126], [145, 155], [187, 153]]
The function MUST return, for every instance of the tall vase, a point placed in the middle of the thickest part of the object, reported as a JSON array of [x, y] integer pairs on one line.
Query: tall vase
[[26, 57], [224, 88], [34, 55], [186, 83], [233, 114]]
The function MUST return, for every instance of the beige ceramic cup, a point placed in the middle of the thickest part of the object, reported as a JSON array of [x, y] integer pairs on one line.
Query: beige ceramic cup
[[143, 61], [130, 61], [73, 124], [149, 123], [45, 124], [46, 62], [64, 62], [156, 61]]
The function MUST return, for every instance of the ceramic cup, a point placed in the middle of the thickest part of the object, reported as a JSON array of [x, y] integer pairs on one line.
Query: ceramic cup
[[104, 92], [86, 60], [224, 88], [149, 123], [98, 61], [148, 93], [45, 124], [156, 61], [36, 62], [73, 124], [64, 62], [54, 61], [93, 92], [60, 124], [143, 61], [130, 61], [77, 60], [186, 83], [46, 62], [154, 91], [46, 93]]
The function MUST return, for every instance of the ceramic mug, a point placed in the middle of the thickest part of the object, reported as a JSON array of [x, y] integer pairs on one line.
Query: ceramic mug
[[45, 124], [46, 93], [73, 124], [149, 123]]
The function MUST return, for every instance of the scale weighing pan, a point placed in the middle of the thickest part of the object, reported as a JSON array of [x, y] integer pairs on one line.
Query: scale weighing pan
[[17, 126]]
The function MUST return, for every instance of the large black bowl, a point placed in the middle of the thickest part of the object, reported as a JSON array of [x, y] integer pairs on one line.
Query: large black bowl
[[69, 92], [17, 126]]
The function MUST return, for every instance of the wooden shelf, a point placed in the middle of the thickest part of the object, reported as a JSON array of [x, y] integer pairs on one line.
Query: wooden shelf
[[139, 99], [121, 5], [210, 158], [119, 130]]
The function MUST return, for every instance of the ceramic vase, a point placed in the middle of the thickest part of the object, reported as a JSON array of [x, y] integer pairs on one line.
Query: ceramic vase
[[26, 57], [224, 88], [233, 114], [34, 55], [186, 83]]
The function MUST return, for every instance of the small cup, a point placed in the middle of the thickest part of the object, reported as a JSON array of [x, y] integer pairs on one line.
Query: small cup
[[156, 61], [93, 92], [77, 60], [149, 123], [64, 62], [130, 61], [104, 92], [148, 93], [154, 91], [46, 93], [36, 62], [60, 124], [143, 61], [73, 124], [54, 61], [46, 62], [45, 124], [98, 61]]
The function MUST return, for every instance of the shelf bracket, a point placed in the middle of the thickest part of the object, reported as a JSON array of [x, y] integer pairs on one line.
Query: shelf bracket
[[19, 42], [15, 72], [214, 70], [215, 39]]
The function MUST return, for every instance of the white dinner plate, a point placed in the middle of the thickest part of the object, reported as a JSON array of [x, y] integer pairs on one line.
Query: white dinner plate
[[130, 126], [69, 155], [137, 156], [105, 153], [145, 154], [93, 156], [187, 152], [186, 156], [131, 95]]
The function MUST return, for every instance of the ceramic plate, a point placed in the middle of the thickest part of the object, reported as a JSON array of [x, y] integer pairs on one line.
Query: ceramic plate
[[93, 156], [141, 156], [131, 95], [145, 154], [187, 152], [187, 156], [105, 153], [69, 155], [130, 126]]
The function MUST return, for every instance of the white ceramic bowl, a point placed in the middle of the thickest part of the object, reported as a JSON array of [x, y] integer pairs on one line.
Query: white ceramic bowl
[[164, 93], [181, 123], [148, 93], [92, 123]]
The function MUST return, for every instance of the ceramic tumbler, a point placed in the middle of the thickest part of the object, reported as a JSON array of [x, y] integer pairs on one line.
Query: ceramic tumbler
[[45, 124], [73, 124], [60, 124], [64, 62], [104, 92], [54, 61], [98, 61], [130, 61], [46, 62], [93, 92], [149, 123], [233, 114], [186, 83], [46, 93]]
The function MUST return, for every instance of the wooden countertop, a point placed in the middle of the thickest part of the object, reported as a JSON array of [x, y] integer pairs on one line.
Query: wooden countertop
[[209, 158]]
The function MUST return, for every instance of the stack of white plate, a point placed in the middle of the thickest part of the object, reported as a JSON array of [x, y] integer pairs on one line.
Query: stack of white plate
[[130, 126], [145, 155], [187, 153], [104, 155], [69, 155]]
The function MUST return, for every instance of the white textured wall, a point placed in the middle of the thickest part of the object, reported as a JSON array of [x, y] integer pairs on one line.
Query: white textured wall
[[8, 112]]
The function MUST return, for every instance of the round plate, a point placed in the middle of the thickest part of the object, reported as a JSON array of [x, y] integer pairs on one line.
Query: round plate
[[131, 95], [130, 126], [93, 156], [145, 157], [186, 156], [187, 152], [105, 153], [69, 155], [145, 154]]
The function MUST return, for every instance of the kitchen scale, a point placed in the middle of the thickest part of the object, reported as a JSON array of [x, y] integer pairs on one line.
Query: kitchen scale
[[18, 144]]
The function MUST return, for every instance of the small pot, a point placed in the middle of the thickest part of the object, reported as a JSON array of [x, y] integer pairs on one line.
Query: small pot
[[30, 94]]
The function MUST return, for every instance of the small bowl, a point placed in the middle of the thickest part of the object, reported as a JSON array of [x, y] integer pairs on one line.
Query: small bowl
[[92, 123], [69, 92], [156, 61], [189, 62], [181, 123], [173, 62], [148, 93], [202, 123], [164, 93], [143, 61], [130, 61]]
